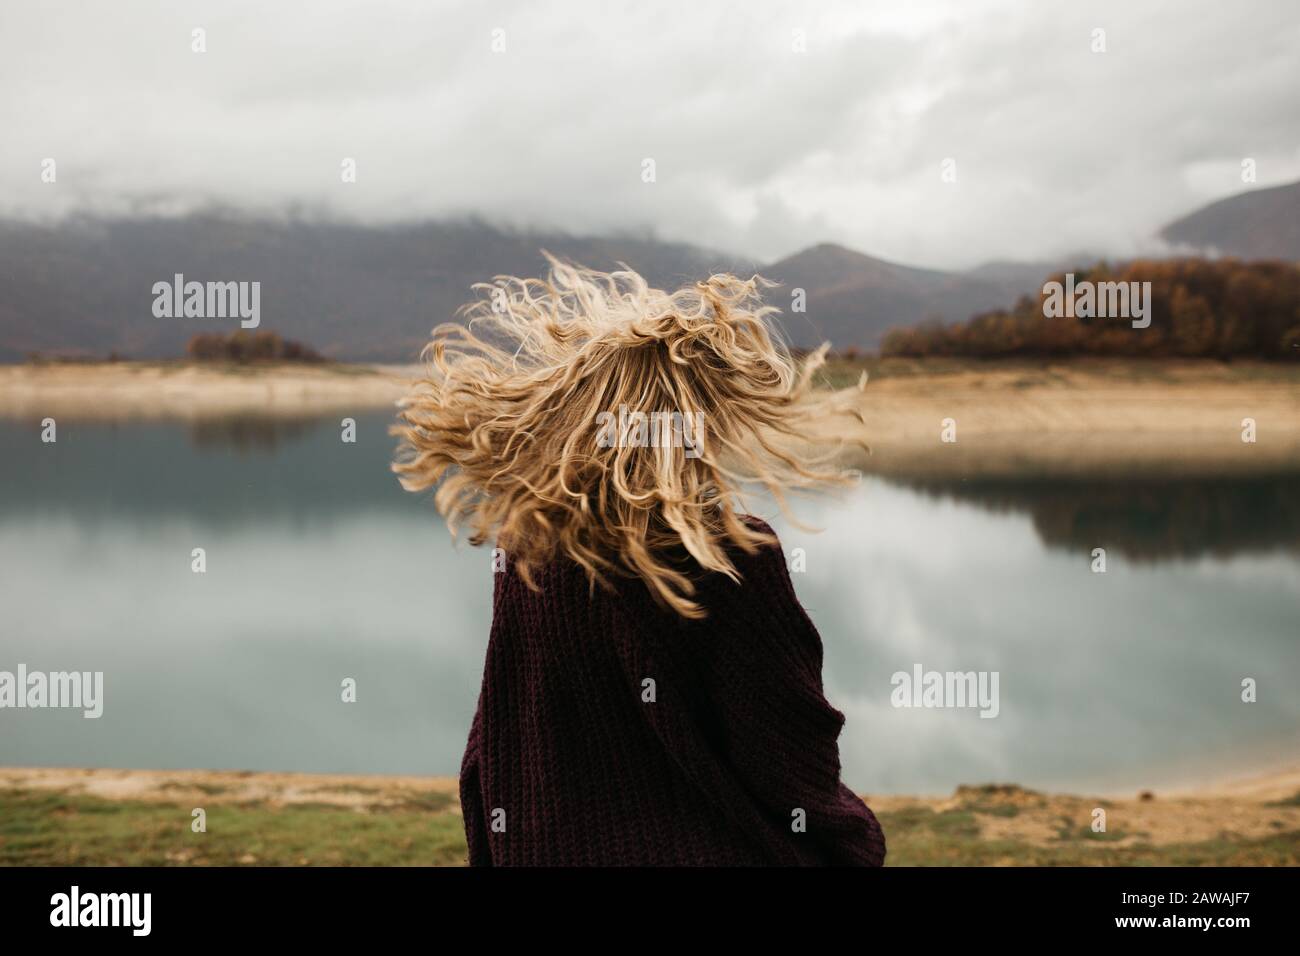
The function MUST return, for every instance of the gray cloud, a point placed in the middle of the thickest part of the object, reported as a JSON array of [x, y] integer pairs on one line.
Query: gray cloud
[[759, 149]]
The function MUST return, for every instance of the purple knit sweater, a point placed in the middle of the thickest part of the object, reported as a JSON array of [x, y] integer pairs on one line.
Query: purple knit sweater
[[571, 762]]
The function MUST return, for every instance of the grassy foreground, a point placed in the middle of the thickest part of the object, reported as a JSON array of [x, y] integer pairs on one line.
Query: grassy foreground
[[131, 818], [56, 829]]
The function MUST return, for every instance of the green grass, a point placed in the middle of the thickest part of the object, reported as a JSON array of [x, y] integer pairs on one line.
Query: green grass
[[919, 836], [41, 828]]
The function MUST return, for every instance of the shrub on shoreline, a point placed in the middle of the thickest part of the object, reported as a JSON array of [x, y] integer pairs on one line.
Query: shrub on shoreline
[[243, 347]]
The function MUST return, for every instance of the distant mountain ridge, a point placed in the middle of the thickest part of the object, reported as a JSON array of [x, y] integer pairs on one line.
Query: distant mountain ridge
[[1257, 224], [351, 292], [372, 293], [853, 299]]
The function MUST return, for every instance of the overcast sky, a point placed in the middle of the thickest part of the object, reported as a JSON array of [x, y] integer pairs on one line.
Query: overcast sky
[[759, 149]]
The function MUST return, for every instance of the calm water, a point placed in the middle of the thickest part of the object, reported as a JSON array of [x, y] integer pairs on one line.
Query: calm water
[[319, 568]]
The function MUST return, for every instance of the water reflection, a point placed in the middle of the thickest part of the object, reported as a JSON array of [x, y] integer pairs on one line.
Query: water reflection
[[250, 433], [1146, 520], [320, 567]]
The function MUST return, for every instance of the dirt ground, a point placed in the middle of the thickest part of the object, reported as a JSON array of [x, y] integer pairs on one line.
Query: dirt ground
[[1082, 418]]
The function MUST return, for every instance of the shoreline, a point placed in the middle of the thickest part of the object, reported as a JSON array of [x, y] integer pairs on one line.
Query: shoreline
[[1081, 418], [192, 391]]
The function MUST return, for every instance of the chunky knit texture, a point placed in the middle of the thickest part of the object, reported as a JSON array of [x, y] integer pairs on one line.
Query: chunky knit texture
[[576, 766]]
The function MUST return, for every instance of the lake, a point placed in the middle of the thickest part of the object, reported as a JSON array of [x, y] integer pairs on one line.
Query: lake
[[319, 568]]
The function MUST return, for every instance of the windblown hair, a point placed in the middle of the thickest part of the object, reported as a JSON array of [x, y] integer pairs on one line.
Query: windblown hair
[[512, 424]]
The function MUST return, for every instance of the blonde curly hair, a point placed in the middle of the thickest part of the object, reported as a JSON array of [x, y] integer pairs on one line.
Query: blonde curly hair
[[512, 421]]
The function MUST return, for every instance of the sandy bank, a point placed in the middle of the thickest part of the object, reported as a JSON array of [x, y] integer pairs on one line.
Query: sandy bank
[[182, 391], [1083, 419]]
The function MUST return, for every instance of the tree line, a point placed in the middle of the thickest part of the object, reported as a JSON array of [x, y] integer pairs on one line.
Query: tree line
[[1199, 308], [242, 346]]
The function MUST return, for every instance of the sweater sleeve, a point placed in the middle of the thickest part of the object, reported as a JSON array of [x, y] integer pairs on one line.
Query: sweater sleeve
[[471, 797], [779, 732], [743, 713]]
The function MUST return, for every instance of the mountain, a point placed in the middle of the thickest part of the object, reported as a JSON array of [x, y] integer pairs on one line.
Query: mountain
[[1259, 224], [853, 299], [373, 293], [368, 293], [351, 292]]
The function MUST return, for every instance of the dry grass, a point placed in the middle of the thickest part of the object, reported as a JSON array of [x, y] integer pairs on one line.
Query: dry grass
[[114, 817]]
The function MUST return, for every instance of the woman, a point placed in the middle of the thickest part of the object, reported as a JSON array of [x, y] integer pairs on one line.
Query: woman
[[652, 692]]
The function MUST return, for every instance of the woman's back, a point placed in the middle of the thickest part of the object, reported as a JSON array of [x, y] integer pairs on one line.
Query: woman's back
[[611, 730]]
